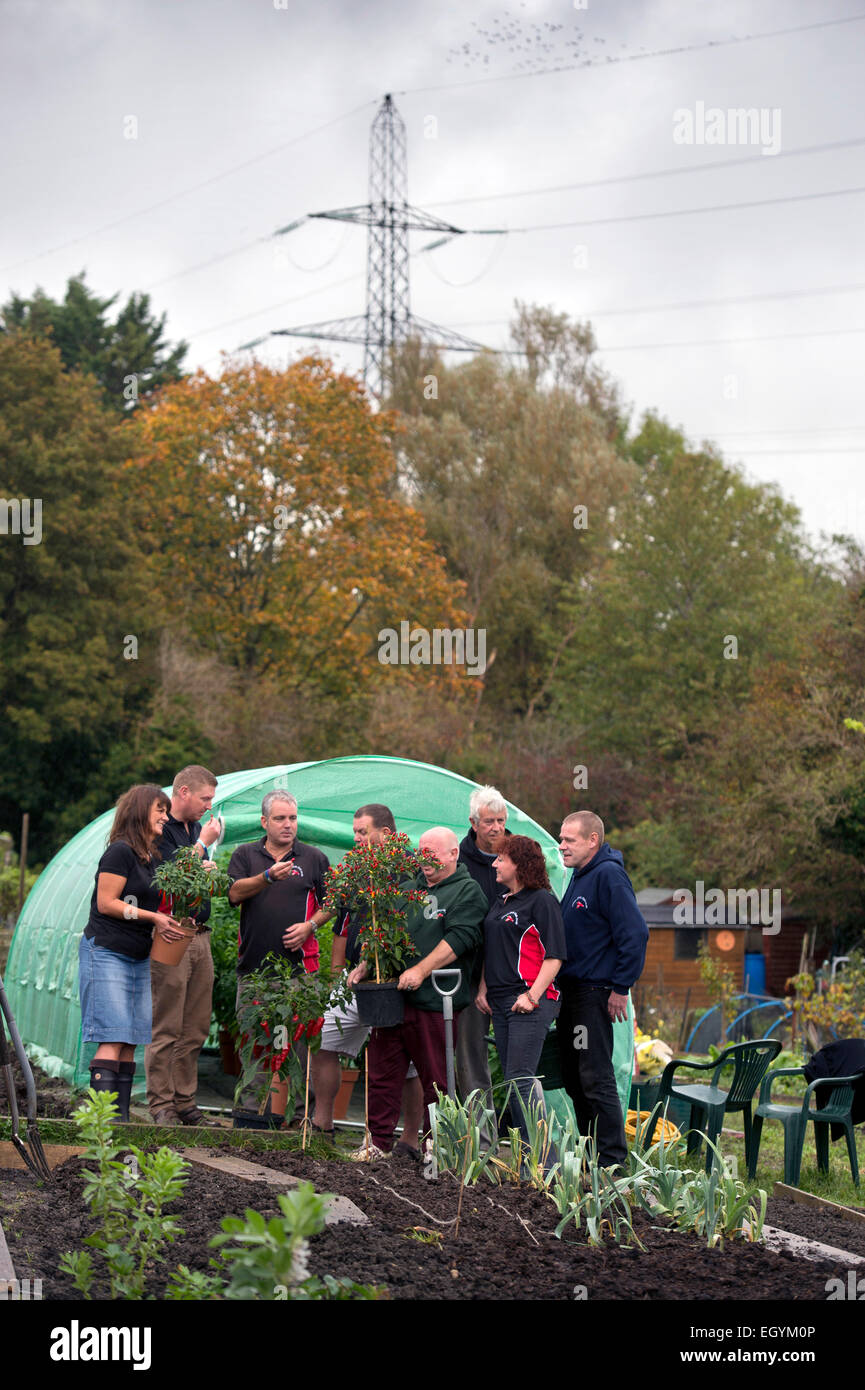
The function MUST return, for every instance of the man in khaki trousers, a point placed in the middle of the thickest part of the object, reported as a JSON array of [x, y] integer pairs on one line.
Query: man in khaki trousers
[[183, 994]]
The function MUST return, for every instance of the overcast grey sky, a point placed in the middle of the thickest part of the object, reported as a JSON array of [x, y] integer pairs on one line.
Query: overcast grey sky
[[198, 127]]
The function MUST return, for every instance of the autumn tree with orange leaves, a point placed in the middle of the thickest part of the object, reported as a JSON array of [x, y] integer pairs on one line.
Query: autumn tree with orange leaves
[[280, 540]]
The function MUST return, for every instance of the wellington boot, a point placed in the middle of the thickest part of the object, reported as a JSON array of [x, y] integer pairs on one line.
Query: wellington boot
[[124, 1089], [104, 1076]]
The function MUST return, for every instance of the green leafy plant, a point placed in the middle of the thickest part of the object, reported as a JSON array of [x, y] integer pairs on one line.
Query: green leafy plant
[[832, 1007], [185, 882], [374, 881], [258, 1259], [531, 1157], [269, 1259], [424, 1235], [277, 1008], [455, 1134], [193, 1286], [715, 1205], [585, 1191], [720, 983], [129, 1201]]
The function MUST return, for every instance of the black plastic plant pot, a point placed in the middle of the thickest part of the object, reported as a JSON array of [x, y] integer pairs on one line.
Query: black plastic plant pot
[[379, 1005], [247, 1119]]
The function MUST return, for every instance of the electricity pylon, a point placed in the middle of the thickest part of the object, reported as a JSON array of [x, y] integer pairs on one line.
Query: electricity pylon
[[389, 218]]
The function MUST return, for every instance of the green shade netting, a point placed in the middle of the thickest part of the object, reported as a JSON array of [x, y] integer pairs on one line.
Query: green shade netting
[[42, 972]]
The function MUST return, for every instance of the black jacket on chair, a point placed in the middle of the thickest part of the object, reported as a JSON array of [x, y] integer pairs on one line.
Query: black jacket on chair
[[844, 1058]]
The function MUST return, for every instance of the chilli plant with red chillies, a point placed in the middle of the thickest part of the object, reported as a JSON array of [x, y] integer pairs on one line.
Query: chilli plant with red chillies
[[372, 880], [276, 1009], [185, 880]]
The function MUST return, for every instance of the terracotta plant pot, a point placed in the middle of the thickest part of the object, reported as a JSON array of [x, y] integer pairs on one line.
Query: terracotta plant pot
[[347, 1081], [379, 1005], [170, 952], [228, 1053]]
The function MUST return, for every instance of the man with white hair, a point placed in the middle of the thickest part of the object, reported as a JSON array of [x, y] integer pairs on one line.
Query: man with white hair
[[446, 931], [488, 815]]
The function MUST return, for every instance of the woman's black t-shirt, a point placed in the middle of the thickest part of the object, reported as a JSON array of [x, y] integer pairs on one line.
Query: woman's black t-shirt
[[520, 933], [127, 937]]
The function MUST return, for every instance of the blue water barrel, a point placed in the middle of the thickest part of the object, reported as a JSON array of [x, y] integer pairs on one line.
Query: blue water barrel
[[755, 972]]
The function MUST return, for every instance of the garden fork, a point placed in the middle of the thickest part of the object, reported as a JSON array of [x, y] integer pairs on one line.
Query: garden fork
[[35, 1161]]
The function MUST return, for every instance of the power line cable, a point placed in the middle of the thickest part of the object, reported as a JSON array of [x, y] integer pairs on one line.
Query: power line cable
[[723, 342], [688, 212], [650, 174], [184, 192], [592, 314], [751, 453], [203, 265], [610, 61], [236, 251], [270, 308], [497, 248], [753, 434]]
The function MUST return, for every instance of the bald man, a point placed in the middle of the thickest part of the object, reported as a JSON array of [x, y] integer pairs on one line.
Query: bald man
[[446, 930]]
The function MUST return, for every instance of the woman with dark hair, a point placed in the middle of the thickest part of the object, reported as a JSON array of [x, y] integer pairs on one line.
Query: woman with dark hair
[[524, 947], [114, 954]]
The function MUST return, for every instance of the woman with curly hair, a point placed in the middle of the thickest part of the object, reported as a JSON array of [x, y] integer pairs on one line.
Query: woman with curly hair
[[524, 947], [114, 953]]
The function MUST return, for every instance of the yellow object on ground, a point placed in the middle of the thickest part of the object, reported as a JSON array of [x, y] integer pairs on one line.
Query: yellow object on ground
[[667, 1131]]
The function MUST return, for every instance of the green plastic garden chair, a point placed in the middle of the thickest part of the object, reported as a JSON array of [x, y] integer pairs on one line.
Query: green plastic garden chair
[[795, 1119], [709, 1104]]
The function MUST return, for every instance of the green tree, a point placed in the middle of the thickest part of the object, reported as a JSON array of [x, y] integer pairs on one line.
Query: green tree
[[79, 613], [514, 469], [708, 579], [778, 796], [128, 354]]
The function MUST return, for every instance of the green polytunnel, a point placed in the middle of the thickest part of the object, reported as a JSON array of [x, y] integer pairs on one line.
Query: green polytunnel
[[42, 972]]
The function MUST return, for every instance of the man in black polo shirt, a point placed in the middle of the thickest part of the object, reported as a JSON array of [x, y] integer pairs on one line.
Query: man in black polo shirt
[[279, 884], [183, 993]]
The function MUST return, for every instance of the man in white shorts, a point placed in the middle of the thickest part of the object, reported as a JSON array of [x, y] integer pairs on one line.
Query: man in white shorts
[[371, 825]]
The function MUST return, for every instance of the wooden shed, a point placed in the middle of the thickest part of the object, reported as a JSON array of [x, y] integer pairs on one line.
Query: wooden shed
[[672, 969]]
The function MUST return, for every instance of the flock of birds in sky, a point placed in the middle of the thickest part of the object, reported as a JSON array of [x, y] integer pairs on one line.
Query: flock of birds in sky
[[539, 44]]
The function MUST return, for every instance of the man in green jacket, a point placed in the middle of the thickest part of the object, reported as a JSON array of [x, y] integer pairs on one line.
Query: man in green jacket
[[446, 931]]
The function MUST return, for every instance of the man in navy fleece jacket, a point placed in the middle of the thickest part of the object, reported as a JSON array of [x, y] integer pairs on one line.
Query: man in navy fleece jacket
[[607, 938]]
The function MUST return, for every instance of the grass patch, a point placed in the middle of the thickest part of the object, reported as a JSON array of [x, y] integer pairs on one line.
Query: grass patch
[[154, 1136], [837, 1185]]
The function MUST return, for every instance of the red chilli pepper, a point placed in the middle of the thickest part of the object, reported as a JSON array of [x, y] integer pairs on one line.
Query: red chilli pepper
[[314, 1028]]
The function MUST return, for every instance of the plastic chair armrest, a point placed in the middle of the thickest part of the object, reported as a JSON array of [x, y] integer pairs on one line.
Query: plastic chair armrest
[[828, 1081], [670, 1070], [766, 1083]]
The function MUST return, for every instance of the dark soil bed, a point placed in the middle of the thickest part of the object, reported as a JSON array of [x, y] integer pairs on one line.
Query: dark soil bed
[[494, 1258], [817, 1224], [54, 1098]]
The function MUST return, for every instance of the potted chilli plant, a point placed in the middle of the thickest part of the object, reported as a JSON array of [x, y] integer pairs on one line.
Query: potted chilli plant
[[372, 880], [276, 1009], [185, 882]]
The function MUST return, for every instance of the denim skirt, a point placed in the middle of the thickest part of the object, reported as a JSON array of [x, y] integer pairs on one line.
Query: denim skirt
[[116, 1004]]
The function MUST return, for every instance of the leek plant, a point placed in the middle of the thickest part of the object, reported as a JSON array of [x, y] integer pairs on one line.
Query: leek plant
[[455, 1135]]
